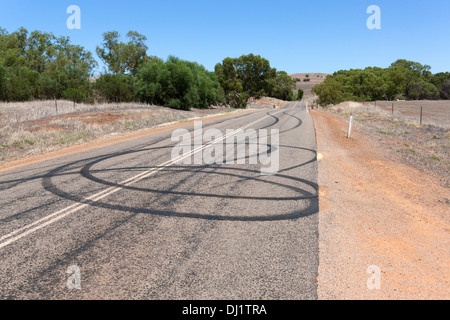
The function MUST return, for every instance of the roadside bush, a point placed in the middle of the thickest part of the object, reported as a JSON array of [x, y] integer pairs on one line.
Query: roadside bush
[[116, 88], [75, 95], [3, 82], [21, 84], [177, 84]]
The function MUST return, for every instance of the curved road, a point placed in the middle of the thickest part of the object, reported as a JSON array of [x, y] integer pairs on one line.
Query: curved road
[[139, 226]]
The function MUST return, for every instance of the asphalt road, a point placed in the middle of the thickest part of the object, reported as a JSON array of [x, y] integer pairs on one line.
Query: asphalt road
[[139, 226]]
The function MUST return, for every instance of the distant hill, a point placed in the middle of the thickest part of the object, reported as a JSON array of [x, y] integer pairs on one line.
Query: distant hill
[[307, 85]]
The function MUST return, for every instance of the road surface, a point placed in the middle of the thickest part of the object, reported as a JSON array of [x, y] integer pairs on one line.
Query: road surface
[[138, 226]]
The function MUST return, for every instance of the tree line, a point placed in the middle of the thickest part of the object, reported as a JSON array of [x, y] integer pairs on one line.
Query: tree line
[[39, 65], [405, 80]]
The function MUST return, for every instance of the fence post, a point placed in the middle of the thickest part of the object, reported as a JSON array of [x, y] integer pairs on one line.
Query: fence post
[[421, 115], [392, 108]]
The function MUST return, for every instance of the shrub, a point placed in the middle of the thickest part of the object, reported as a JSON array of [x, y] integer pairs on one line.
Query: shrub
[[116, 88], [177, 84], [75, 95]]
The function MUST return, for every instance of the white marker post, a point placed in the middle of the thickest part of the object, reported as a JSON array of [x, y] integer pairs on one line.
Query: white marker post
[[350, 127]]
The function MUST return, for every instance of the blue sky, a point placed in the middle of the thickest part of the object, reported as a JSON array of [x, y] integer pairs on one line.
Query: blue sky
[[296, 36]]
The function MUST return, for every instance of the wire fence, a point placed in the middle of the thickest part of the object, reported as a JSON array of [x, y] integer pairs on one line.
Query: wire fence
[[13, 112], [424, 112]]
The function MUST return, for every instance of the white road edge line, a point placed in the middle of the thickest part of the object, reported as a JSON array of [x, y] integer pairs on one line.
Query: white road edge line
[[56, 216]]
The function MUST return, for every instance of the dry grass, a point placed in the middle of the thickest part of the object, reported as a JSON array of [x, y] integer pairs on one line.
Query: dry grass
[[34, 110], [426, 146], [435, 113], [32, 128], [15, 143]]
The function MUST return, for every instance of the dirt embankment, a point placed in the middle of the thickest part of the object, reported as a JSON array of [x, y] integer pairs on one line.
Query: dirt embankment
[[375, 211]]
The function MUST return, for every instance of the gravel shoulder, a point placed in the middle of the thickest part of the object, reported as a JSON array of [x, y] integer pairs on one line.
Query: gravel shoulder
[[378, 210]]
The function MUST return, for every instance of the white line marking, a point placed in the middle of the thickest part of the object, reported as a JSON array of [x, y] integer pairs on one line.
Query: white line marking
[[56, 216]]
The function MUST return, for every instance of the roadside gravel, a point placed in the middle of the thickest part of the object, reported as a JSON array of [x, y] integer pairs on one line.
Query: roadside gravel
[[375, 211]]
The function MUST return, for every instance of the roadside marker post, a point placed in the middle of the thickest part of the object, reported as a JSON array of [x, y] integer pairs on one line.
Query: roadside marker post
[[350, 126]]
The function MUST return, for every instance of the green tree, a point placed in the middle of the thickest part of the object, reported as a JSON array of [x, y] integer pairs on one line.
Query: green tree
[[177, 84], [231, 84], [38, 65], [72, 94], [4, 82], [300, 94], [331, 91], [421, 90], [116, 88], [255, 74], [252, 76], [123, 57], [442, 82], [12, 47], [403, 78], [40, 50], [282, 86], [415, 75], [21, 85]]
